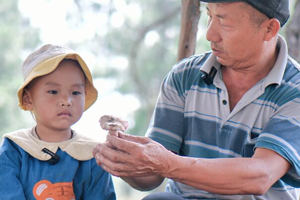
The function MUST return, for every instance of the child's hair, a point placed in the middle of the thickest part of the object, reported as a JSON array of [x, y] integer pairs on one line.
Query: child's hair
[[45, 60]]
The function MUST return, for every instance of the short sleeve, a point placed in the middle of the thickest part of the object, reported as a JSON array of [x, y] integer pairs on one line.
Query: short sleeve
[[167, 123], [282, 135]]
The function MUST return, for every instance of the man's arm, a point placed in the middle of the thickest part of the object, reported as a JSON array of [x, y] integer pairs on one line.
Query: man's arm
[[231, 175], [141, 156], [145, 183]]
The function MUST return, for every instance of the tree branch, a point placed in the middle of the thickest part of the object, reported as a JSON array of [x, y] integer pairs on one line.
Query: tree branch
[[190, 15], [293, 33]]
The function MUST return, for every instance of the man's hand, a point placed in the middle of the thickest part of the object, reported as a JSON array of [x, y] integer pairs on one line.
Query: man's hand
[[132, 156]]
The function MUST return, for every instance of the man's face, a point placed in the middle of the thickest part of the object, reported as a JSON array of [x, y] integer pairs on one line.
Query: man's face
[[235, 40]]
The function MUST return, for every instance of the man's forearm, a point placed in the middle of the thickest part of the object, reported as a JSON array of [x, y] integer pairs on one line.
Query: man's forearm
[[144, 183], [229, 175]]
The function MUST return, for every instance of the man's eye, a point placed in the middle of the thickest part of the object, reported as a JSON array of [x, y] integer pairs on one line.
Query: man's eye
[[226, 26], [52, 92], [76, 93]]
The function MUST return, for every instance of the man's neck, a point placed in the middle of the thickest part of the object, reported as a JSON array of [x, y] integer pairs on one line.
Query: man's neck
[[239, 80]]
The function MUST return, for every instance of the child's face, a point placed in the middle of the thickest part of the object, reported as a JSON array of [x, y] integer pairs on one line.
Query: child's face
[[57, 99]]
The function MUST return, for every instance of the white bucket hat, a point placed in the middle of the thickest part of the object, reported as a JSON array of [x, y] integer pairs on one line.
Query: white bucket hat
[[45, 60]]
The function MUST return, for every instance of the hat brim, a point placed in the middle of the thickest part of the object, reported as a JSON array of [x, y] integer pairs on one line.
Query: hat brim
[[49, 66]]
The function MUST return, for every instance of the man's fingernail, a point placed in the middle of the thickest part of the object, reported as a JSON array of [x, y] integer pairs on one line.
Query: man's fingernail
[[98, 156]]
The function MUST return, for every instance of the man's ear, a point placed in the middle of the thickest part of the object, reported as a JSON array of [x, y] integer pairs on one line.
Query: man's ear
[[272, 27], [26, 100]]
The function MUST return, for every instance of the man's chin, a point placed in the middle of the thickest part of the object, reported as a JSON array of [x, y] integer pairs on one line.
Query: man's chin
[[222, 61]]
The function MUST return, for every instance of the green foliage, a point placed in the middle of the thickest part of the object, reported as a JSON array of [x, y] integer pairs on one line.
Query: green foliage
[[148, 65], [13, 39]]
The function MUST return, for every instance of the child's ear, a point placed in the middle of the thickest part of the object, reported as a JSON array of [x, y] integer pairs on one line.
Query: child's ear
[[26, 100]]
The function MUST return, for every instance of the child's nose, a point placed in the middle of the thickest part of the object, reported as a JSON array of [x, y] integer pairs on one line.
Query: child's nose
[[65, 101]]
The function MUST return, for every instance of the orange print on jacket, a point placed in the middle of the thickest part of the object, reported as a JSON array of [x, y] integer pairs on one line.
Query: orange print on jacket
[[45, 190]]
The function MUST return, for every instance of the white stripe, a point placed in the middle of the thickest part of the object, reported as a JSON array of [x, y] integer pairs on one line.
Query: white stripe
[[165, 132], [205, 90], [225, 151], [294, 85], [170, 107], [203, 116], [266, 103], [167, 88]]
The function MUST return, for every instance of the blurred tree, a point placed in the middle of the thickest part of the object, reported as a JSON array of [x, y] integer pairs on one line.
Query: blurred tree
[[147, 40], [293, 33], [148, 63], [15, 36], [190, 15]]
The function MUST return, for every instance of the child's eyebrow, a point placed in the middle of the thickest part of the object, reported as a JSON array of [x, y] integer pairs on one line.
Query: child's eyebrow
[[57, 84], [52, 84], [78, 85]]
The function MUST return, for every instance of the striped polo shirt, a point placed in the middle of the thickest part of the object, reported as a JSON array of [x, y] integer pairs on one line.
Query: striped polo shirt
[[193, 119]]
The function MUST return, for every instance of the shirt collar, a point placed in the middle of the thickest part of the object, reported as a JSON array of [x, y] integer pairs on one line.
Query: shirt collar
[[275, 76], [79, 147]]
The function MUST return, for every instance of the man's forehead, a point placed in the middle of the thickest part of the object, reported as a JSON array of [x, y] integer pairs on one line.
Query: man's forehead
[[223, 5], [223, 10]]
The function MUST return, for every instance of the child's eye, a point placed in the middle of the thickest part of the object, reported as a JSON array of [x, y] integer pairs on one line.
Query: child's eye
[[76, 93], [52, 92]]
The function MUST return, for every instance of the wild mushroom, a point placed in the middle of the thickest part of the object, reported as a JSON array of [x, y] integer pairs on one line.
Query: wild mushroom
[[113, 124]]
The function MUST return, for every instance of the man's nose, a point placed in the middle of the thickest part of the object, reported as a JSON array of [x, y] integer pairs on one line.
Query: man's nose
[[212, 33]]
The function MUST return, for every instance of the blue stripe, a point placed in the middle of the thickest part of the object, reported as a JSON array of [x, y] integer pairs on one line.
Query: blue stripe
[[212, 116], [202, 91], [172, 105], [265, 104], [296, 101]]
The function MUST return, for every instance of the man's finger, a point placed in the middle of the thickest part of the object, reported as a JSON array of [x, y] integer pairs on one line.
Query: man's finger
[[124, 145], [97, 147], [137, 139], [113, 154]]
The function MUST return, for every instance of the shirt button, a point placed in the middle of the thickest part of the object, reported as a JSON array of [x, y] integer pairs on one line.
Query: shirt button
[[224, 102]]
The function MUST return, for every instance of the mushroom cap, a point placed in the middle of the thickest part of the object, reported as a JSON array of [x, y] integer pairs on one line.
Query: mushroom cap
[[112, 123]]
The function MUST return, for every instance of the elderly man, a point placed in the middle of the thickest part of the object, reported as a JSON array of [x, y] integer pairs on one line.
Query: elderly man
[[227, 123]]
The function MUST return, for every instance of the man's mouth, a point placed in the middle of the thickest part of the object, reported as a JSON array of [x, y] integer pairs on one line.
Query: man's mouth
[[216, 50]]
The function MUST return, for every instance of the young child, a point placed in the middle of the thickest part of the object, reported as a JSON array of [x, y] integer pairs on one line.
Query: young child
[[51, 161]]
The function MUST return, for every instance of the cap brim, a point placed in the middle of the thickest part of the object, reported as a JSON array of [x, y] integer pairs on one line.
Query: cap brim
[[49, 66]]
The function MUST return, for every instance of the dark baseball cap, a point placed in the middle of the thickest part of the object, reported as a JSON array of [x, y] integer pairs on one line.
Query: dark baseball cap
[[278, 9]]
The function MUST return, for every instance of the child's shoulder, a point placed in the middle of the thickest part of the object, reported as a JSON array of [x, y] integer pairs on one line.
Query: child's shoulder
[[9, 146], [17, 137], [18, 134], [79, 147]]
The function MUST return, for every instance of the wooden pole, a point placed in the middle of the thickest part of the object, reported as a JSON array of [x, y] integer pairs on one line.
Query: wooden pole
[[190, 15], [293, 33]]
